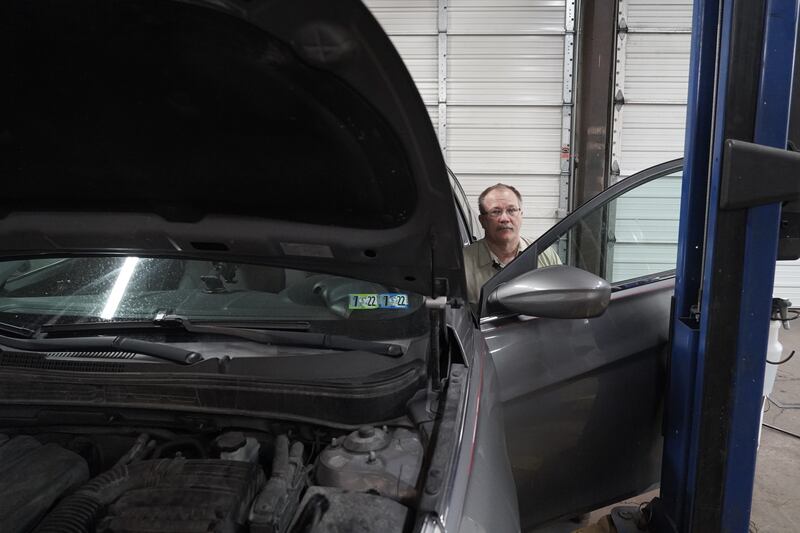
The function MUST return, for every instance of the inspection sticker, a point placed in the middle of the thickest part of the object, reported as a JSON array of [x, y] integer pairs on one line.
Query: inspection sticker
[[387, 300], [363, 301], [393, 300]]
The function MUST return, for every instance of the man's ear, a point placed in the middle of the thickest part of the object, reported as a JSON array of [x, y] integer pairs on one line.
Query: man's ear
[[482, 220]]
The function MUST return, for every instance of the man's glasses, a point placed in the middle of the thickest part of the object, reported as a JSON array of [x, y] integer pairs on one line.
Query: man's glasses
[[497, 213]]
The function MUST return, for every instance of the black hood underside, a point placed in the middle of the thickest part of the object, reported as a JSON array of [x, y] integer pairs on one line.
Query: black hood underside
[[273, 132]]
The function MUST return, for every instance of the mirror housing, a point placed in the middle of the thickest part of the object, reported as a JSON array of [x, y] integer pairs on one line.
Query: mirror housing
[[553, 292]]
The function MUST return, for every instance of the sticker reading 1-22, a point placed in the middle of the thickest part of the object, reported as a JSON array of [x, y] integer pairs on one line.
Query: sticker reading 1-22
[[386, 300]]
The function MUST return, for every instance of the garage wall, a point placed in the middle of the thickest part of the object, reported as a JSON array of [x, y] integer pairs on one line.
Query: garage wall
[[649, 122], [649, 116], [497, 79]]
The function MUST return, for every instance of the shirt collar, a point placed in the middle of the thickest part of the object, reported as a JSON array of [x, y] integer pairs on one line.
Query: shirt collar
[[487, 257]]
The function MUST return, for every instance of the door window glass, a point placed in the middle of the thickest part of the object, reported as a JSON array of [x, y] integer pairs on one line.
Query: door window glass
[[631, 236]]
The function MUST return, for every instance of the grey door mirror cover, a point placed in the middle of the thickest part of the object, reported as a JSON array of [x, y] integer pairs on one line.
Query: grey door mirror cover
[[554, 292]]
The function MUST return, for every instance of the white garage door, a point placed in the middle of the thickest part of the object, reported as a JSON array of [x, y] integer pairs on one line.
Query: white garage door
[[649, 122], [651, 86], [496, 77], [498, 88]]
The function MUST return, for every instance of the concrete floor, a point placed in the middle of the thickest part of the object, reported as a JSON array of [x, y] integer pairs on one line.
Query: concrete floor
[[776, 493]]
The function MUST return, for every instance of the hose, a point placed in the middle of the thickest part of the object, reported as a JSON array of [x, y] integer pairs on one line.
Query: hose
[[78, 512]]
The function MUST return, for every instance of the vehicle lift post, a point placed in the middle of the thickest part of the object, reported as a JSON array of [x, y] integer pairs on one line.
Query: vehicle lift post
[[737, 172]]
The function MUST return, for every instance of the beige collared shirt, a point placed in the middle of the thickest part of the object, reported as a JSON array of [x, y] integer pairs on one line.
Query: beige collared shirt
[[480, 264]]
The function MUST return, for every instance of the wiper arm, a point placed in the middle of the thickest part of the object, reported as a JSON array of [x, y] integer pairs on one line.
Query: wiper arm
[[106, 344], [20, 331], [286, 338]]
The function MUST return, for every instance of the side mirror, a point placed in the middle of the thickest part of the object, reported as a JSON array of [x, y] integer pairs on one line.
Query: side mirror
[[553, 292]]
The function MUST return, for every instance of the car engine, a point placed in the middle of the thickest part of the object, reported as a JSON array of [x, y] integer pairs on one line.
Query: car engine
[[235, 481]]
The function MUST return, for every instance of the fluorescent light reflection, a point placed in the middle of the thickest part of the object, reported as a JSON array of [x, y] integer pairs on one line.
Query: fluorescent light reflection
[[120, 286]]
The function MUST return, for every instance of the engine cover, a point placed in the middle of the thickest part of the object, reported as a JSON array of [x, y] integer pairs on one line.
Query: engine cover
[[203, 495]]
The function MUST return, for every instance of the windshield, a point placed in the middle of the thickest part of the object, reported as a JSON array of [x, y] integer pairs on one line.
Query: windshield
[[34, 292]]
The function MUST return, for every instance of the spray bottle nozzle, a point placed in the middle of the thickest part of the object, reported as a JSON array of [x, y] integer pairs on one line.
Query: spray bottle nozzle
[[780, 311]]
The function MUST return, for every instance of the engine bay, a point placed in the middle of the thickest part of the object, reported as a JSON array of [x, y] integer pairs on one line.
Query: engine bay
[[296, 479]]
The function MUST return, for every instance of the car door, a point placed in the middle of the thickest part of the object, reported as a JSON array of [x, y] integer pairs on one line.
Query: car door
[[582, 398]]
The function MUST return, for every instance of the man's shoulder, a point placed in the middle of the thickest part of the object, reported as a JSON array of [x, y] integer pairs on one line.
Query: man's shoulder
[[475, 251], [475, 245]]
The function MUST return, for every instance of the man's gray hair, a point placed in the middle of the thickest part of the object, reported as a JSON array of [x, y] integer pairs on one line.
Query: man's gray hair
[[496, 186]]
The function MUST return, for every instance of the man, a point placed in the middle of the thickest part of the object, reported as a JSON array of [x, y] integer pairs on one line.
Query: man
[[500, 208]]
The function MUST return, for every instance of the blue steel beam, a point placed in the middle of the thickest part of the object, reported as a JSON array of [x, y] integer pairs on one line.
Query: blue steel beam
[[680, 424], [761, 243], [725, 269]]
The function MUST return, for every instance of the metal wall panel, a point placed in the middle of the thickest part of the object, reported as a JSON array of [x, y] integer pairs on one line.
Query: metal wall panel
[[659, 14], [401, 17], [653, 58], [645, 229], [514, 140], [506, 17], [650, 134], [787, 281], [657, 69], [496, 84], [505, 70]]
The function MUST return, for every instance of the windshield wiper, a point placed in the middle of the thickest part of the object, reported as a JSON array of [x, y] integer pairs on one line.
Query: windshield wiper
[[20, 331], [285, 338], [106, 344]]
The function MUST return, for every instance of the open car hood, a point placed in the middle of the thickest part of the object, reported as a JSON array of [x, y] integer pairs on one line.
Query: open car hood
[[284, 132]]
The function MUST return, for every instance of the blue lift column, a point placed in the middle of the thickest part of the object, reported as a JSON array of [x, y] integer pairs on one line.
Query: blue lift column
[[737, 173]]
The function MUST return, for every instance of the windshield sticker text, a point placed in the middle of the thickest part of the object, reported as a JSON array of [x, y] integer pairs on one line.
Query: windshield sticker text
[[388, 300]]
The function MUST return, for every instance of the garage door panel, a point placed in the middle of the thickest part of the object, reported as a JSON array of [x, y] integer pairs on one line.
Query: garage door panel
[[503, 90], [504, 162], [664, 187], [405, 17], [664, 231], [659, 14], [657, 68], [528, 186], [532, 228], [506, 16], [642, 254], [504, 116], [787, 281], [502, 70], [510, 128], [648, 208], [651, 134]]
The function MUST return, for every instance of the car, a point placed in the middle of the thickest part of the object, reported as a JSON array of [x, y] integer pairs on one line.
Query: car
[[232, 294]]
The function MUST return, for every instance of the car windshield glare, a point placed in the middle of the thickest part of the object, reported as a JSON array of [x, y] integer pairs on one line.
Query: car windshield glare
[[81, 289]]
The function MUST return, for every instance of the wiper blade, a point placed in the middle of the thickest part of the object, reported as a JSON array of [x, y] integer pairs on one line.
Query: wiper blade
[[106, 344], [20, 331], [117, 325], [286, 338], [266, 335]]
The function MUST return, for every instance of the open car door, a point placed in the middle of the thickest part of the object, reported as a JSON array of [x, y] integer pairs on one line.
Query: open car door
[[583, 397]]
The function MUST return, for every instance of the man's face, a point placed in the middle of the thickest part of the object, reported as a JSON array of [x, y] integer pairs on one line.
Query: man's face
[[500, 226]]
